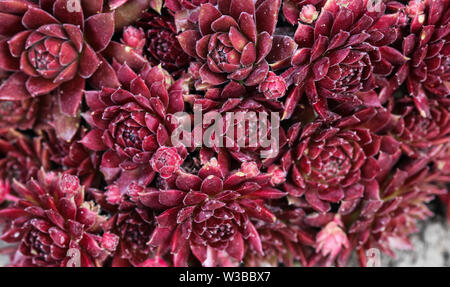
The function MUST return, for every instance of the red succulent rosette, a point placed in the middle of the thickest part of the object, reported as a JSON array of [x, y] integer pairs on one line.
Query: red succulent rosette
[[389, 214], [208, 214], [425, 46], [134, 228], [306, 11], [337, 162], [19, 114], [286, 241], [134, 37], [162, 44], [273, 87], [132, 222], [231, 42], [166, 161], [247, 134], [21, 157], [50, 47], [72, 157], [340, 56], [53, 225], [418, 134], [331, 240], [130, 123], [246, 127], [220, 132]]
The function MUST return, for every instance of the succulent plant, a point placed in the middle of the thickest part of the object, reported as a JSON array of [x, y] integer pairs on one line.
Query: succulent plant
[[48, 47], [134, 37], [208, 213], [418, 134], [238, 132], [425, 46], [155, 133], [132, 222], [51, 222], [72, 157], [303, 10], [19, 114], [339, 56], [162, 44], [273, 87], [287, 240], [232, 41], [21, 157], [337, 162], [130, 123], [331, 239], [390, 215]]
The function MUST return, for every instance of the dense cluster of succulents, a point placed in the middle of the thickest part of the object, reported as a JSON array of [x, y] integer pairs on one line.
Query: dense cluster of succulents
[[93, 171]]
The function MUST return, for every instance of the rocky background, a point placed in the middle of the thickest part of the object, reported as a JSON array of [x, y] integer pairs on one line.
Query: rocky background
[[432, 248]]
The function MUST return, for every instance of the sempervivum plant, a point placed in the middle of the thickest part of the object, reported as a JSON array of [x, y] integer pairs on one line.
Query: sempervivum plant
[[132, 122], [21, 157], [232, 41], [334, 162], [53, 225], [72, 157], [287, 240], [221, 132], [339, 55], [273, 87], [238, 131], [162, 45], [49, 46], [132, 222], [19, 114], [387, 216], [210, 213], [418, 134], [330, 240], [301, 10], [425, 46], [134, 38]]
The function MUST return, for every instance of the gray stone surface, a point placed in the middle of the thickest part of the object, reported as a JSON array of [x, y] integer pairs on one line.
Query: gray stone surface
[[3, 259], [432, 248]]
